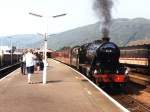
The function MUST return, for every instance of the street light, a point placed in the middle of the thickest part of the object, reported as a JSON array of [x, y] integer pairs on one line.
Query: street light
[[33, 14], [1, 53], [45, 44], [59, 15], [17, 50], [11, 48]]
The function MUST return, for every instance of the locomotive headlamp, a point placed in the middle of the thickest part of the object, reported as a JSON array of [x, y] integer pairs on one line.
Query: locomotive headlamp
[[95, 72], [117, 71], [108, 50]]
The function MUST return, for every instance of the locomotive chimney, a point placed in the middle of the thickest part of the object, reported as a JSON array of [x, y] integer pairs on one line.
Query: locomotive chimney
[[103, 9], [105, 33], [105, 39]]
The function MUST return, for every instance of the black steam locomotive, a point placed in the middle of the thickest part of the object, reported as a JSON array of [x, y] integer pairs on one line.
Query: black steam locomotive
[[98, 60]]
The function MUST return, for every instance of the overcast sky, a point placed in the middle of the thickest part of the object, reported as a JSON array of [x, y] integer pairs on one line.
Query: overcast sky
[[14, 17]]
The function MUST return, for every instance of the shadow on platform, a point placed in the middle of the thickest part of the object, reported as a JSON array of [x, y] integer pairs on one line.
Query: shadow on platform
[[52, 81]]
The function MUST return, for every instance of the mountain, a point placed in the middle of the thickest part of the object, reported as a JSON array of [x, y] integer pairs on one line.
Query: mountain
[[23, 41], [122, 31], [125, 30]]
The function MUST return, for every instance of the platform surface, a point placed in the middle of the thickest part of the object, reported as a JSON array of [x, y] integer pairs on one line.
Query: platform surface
[[65, 91]]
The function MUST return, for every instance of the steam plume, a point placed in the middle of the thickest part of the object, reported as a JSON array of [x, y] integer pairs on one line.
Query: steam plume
[[103, 8]]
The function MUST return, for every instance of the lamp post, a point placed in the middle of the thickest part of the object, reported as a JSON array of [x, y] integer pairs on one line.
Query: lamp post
[[17, 49], [45, 59], [45, 44], [11, 49], [1, 53]]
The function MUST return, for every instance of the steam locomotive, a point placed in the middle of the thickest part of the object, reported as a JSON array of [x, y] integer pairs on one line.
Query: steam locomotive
[[98, 60]]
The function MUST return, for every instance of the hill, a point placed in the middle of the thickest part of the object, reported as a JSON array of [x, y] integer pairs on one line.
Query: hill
[[23, 41], [122, 31]]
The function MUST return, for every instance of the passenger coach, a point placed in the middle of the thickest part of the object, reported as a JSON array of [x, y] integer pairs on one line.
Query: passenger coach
[[136, 56]]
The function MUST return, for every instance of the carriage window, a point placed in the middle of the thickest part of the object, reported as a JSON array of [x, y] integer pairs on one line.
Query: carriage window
[[136, 53]]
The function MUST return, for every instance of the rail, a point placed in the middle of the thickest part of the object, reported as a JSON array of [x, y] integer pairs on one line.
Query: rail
[[6, 70], [132, 104]]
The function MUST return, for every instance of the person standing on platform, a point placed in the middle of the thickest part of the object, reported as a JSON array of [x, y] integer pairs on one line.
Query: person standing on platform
[[29, 59], [23, 64]]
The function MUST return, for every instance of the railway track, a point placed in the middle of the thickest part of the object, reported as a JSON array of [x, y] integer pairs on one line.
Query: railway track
[[139, 78], [135, 98], [132, 104], [6, 70]]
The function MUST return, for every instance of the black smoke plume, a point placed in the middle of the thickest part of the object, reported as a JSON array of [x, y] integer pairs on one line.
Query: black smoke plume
[[103, 9]]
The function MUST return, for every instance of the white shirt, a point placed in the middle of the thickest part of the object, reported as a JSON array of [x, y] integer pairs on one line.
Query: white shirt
[[29, 57], [23, 58]]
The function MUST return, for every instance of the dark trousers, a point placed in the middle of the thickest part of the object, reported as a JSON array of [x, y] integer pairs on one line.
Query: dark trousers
[[41, 65], [23, 68]]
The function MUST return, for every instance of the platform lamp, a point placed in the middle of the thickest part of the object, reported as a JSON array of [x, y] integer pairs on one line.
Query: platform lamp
[[11, 49], [1, 53], [45, 44]]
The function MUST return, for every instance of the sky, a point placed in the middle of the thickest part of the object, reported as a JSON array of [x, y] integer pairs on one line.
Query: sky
[[15, 18]]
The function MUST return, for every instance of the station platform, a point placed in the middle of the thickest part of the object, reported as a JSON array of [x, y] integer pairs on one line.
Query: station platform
[[65, 91]]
